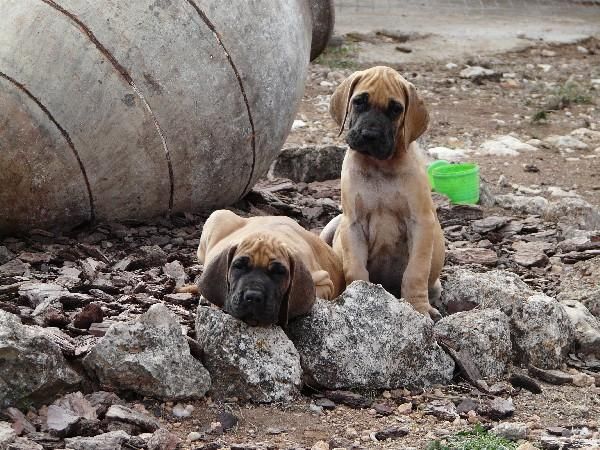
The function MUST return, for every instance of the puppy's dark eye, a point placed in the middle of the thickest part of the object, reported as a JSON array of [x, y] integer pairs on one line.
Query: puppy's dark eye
[[361, 102], [395, 109], [241, 263], [277, 269]]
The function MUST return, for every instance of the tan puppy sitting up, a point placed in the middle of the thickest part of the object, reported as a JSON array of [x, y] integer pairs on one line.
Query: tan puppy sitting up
[[265, 270], [388, 232]]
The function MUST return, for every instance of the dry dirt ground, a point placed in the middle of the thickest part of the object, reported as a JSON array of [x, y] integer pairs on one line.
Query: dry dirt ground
[[463, 114]]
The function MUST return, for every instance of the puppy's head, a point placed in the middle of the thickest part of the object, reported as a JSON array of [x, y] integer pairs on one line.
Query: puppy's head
[[258, 281], [383, 111]]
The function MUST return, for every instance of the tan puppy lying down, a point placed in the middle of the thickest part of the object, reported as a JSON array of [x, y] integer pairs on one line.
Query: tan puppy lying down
[[265, 270]]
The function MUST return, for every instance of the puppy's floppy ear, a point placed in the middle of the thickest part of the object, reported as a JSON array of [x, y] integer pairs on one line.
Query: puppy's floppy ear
[[340, 100], [300, 297], [214, 284], [416, 117]]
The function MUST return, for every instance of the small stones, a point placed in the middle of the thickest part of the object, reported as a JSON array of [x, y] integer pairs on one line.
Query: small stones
[[482, 256], [564, 142], [478, 74], [147, 256], [550, 376], [513, 431], [558, 431], [127, 415], [505, 146], [163, 439], [442, 409], [180, 411], [227, 420], [112, 440], [447, 154], [194, 436], [391, 433], [525, 382], [38, 293], [91, 313], [351, 399], [382, 409], [175, 270], [325, 403], [20, 422], [500, 408], [7, 435], [61, 421], [404, 408], [182, 299], [530, 254], [488, 224]]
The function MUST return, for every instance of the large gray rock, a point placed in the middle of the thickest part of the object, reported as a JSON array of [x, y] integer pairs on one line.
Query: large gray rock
[[156, 106], [578, 211], [149, 356], [368, 339], [581, 284], [586, 328], [259, 364], [307, 164], [482, 337], [541, 332], [32, 368], [522, 204], [464, 290]]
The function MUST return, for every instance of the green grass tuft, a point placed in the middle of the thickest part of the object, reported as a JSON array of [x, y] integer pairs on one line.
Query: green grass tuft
[[342, 57], [568, 94], [476, 439], [540, 116]]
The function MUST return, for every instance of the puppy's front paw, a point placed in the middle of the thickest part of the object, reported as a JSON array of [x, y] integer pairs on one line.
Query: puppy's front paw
[[434, 314], [422, 305]]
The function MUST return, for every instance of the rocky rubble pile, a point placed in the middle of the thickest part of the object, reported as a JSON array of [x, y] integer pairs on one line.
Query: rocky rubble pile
[[96, 311]]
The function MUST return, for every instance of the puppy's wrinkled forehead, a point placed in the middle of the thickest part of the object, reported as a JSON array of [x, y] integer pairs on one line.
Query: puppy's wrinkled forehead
[[262, 250], [382, 84]]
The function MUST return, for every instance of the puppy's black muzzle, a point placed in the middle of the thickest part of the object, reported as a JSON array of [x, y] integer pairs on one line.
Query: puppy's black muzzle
[[255, 299], [372, 133]]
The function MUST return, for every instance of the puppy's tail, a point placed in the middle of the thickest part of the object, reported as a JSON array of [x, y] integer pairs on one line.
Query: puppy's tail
[[328, 232], [188, 289]]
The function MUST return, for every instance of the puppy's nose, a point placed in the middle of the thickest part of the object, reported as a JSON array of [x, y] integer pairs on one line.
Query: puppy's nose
[[369, 134], [252, 296]]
